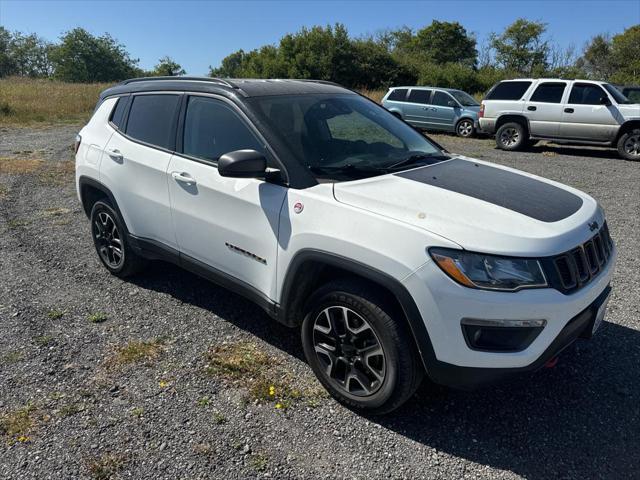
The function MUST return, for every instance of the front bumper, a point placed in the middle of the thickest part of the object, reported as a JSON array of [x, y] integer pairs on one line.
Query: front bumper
[[442, 304], [470, 377]]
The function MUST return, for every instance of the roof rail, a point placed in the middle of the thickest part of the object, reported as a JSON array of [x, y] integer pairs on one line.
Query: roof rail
[[324, 82], [220, 81]]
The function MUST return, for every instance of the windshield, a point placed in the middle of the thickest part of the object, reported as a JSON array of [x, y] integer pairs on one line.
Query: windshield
[[616, 94], [464, 98], [343, 137]]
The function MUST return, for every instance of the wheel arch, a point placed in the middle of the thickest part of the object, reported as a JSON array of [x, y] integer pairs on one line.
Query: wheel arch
[[506, 118], [626, 126], [91, 191], [310, 269]]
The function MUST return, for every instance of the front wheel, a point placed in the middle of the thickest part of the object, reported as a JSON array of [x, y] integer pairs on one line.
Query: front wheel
[[359, 348], [464, 128], [629, 145], [511, 136]]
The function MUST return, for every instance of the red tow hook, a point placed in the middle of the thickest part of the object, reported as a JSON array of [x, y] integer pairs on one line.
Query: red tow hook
[[551, 363]]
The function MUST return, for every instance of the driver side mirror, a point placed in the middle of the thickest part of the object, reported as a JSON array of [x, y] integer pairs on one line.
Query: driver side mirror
[[451, 103], [242, 164], [604, 100]]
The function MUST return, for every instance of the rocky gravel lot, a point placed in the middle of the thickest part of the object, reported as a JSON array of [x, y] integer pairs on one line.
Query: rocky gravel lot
[[168, 376]]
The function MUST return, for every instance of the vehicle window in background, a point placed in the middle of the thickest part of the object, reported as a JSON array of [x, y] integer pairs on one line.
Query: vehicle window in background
[[212, 129], [586, 94], [548, 92], [633, 94], [117, 116], [464, 98], [616, 94], [441, 98], [152, 119], [508, 90], [419, 96], [398, 95]]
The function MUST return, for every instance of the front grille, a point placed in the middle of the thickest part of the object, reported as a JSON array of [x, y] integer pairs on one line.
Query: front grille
[[575, 268]]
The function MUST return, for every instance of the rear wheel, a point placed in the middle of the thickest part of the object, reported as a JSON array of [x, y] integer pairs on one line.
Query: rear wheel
[[629, 145], [464, 128], [359, 348], [110, 240], [511, 136]]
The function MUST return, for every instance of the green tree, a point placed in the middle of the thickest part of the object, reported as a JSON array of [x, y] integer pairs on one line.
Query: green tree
[[596, 59], [30, 55], [521, 48], [167, 67], [625, 56], [82, 57], [7, 64], [445, 42]]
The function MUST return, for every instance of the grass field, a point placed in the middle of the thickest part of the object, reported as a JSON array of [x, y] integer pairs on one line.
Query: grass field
[[30, 101]]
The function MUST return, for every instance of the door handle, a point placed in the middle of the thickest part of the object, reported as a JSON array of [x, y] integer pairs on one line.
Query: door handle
[[532, 108], [183, 177], [115, 155], [568, 110]]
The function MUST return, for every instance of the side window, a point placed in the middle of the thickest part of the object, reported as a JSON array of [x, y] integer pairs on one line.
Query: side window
[[586, 94], [548, 92], [398, 95], [117, 115], [508, 90], [212, 129], [152, 119], [442, 99], [419, 96]]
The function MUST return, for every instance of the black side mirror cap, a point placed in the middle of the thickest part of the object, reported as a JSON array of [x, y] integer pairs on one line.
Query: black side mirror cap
[[605, 100], [242, 164], [451, 103]]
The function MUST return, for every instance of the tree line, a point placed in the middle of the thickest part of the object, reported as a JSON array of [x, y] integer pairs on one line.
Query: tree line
[[441, 54]]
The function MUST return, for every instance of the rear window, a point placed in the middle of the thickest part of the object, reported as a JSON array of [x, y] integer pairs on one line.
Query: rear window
[[508, 90], [152, 119], [419, 96], [117, 115], [549, 92], [398, 95]]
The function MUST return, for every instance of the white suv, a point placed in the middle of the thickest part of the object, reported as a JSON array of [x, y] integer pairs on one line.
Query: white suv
[[394, 258], [565, 111]]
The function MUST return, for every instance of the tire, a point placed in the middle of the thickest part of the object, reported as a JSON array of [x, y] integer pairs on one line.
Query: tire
[[629, 145], [464, 128], [385, 369], [111, 241], [511, 136]]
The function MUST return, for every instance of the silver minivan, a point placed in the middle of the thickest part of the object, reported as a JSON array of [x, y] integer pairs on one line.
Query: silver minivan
[[525, 110], [434, 108]]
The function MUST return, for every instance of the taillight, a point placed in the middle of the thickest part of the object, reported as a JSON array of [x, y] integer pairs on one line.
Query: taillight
[[481, 112], [76, 145]]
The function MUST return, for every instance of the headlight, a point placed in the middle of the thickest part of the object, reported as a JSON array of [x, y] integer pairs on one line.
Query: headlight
[[489, 272]]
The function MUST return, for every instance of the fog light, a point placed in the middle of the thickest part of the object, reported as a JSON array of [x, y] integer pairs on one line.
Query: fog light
[[500, 335]]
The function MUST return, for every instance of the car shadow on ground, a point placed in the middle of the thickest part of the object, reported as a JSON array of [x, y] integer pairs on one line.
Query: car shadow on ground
[[580, 419], [576, 151]]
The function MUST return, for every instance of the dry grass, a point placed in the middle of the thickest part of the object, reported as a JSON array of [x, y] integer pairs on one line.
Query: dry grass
[[38, 101], [136, 352], [19, 166], [375, 95], [15, 425], [266, 379], [107, 466]]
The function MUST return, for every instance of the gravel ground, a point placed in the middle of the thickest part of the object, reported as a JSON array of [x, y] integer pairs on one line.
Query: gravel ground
[[79, 398]]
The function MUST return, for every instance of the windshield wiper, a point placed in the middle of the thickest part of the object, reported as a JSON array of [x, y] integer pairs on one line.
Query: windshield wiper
[[410, 160]]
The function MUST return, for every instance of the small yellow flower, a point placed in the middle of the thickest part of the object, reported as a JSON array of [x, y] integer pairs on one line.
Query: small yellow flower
[[23, 439], [163, 384], [272, 390], [279, 406]]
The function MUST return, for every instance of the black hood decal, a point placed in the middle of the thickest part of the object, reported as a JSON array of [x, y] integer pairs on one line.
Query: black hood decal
[[519, 193]]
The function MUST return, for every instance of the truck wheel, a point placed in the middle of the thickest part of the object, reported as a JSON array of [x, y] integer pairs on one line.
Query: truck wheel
[[110, 240], [629, 145], [464, 128], [511, 136], [364, 357]]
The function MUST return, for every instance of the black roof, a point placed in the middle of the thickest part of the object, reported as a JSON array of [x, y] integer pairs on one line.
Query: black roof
[[244, 87]]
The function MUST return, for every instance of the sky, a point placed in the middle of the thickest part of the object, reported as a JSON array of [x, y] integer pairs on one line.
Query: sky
[[198, 34]]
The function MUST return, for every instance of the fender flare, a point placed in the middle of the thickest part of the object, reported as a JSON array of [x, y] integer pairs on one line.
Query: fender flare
[[398, 290], [90, 182]]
